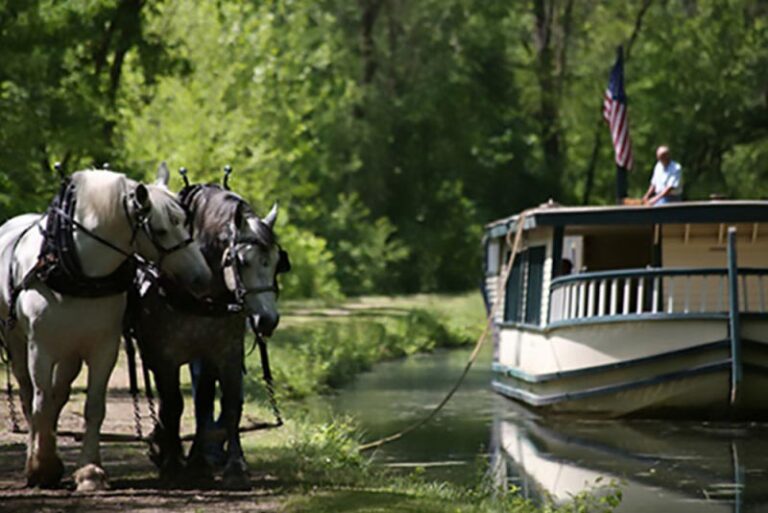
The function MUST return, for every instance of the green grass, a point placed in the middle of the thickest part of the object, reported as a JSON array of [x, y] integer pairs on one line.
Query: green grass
[[318, 347], [318, 468]]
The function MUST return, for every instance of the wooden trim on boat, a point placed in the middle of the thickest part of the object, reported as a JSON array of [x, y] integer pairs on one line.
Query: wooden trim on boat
[[544, 400]]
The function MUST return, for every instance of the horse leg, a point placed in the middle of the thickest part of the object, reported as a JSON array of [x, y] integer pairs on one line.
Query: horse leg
[[44, 467], [64, 373], [202, 455], [90, 475], [170, 454], [17, 353], [231, 377]]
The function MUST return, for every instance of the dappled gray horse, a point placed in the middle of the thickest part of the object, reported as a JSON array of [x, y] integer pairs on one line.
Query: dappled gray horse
[[173, 328], [63, 277]]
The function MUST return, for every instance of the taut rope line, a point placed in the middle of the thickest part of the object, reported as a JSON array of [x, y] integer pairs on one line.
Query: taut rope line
[[500, 286]]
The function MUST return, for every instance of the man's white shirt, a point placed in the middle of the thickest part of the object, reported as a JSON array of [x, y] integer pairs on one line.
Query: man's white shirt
[[672, 175]]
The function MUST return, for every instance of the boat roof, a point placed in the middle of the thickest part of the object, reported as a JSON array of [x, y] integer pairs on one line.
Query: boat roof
[[715, 211]]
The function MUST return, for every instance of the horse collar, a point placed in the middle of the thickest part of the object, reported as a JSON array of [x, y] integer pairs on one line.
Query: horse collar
[[59, 265]]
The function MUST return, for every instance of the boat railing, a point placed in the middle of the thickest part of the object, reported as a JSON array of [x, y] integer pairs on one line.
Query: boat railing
[[654, 292]]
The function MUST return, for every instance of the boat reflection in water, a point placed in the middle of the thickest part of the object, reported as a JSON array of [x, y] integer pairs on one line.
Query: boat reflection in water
[[660, 466]]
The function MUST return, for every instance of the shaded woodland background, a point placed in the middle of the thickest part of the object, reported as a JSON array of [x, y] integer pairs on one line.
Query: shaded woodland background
[[389, 130]]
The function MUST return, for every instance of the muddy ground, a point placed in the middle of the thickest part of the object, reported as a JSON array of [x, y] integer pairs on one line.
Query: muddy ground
[[134, 483]]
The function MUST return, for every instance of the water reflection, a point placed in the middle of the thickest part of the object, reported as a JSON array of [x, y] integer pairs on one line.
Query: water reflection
[[662, 465]]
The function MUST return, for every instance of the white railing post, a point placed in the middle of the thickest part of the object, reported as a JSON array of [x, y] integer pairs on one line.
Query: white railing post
[[627, 287], [593, 297], [574, 300], [553, 305], [761, 291], [671, 295], [602, 298]]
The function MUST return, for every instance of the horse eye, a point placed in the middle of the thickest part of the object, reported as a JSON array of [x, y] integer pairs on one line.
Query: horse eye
[[162, 232]]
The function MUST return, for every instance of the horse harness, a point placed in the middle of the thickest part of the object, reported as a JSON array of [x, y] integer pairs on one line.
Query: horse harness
[[234, 301], [58, 265]]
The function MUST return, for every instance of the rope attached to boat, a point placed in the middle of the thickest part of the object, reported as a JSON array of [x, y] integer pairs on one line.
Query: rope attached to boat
[[514, 245]]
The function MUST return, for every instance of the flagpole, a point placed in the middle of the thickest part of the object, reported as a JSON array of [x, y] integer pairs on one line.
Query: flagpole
[[621, 184], [615, 110]]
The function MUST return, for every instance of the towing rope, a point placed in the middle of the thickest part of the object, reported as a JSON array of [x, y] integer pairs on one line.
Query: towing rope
[[514, 246]]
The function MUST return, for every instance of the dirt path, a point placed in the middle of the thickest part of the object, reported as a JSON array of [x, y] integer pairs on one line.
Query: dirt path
[[134, 486]]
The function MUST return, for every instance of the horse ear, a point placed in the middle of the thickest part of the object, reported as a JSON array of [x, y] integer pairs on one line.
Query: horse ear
[[270, 219], [163, 175], [142, 197]]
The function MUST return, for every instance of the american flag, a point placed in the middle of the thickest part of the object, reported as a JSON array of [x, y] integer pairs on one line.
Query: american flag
[[615, 113]]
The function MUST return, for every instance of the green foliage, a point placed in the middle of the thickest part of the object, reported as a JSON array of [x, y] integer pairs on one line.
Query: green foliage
[[364, 251], [328, 454], [318, 356], [312, 267]]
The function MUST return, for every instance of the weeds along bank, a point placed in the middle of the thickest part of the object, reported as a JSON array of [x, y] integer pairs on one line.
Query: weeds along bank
[[318, 469], [318, 348], [316, 464]]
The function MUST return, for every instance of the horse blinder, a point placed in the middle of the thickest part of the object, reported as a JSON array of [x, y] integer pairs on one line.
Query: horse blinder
[[283, 262]]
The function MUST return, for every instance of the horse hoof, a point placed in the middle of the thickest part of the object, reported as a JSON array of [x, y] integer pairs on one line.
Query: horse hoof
[[197, 467], [236, 475], [91, 478], [236, 482], [171, 471], [45, 473]]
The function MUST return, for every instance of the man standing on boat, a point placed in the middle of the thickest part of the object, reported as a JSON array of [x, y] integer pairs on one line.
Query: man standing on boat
[[667, 181]]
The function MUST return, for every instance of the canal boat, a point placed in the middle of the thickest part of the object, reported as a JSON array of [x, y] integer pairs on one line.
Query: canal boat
[[632, 310]]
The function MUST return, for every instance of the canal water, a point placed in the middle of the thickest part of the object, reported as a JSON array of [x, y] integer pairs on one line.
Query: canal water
[[660, 466]]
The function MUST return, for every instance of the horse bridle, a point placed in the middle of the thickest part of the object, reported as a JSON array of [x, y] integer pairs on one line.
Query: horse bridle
[[231, 260], [143, 224]]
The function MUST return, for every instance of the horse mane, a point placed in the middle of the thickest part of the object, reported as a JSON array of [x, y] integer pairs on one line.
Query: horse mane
[[99, 194], [213, 209], [164, 201]]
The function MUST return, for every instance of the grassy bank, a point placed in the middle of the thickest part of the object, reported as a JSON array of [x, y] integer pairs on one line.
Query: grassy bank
[[319, 469], [317, 465], [318, 348]]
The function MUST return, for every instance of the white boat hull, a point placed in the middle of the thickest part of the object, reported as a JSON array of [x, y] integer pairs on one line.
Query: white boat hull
[[663, 367]]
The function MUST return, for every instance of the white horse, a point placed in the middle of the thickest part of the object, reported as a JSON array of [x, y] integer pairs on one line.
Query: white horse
[[112, 219]]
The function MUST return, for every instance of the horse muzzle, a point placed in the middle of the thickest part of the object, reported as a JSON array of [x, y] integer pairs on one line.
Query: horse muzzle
[[267, 323]]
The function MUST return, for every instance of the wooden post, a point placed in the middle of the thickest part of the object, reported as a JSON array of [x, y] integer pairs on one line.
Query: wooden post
[[733, 315]]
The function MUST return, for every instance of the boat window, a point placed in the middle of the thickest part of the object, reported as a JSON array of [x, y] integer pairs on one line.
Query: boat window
[[514, 302], [535, 261], [523, 294]]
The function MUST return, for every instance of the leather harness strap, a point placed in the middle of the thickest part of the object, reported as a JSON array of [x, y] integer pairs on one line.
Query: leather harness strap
[[61, 269]]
